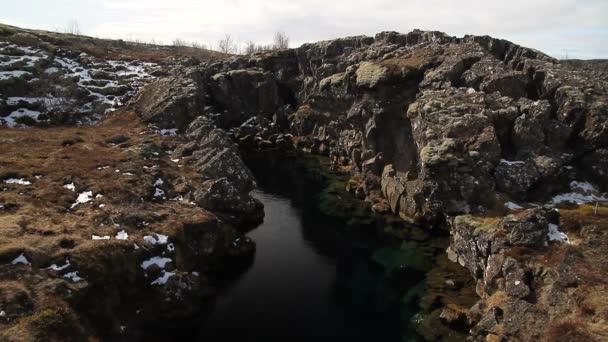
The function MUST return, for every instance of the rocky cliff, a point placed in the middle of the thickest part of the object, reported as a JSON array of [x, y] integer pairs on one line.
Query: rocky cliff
[[476, 136]]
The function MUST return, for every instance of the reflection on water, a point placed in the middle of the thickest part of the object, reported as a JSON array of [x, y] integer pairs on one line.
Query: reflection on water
[[310, 281]]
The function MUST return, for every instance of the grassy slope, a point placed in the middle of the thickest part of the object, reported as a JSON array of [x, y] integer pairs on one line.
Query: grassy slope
[[102, 48]]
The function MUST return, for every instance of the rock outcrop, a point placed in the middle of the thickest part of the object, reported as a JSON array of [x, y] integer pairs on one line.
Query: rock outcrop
[[452, 133]]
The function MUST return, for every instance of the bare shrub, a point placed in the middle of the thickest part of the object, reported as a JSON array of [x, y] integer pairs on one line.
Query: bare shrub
[[72, 27], [177, 42], [251, 48], [227, 45], [200, 46], [281, 40]]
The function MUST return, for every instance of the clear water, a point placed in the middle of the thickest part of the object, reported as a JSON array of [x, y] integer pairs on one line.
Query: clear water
[[310, 281]]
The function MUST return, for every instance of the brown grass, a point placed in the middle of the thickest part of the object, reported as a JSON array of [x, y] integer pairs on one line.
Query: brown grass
[[573, 219], [103, 48], [41, 222], [38, 220], [568, 331]]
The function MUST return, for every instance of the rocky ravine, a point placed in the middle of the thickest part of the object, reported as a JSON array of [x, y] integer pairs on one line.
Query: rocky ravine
[[501, 145]]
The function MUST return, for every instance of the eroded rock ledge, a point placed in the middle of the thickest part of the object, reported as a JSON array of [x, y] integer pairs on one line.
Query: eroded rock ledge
[[452, 133]]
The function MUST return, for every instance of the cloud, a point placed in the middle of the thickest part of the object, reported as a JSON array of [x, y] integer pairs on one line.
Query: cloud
[[549, 25]]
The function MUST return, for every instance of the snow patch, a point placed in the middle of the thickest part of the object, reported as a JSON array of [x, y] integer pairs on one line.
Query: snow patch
[[83, 197], [21, 259], [160, 239], [159, 193], [162, 280], [555, 234], [97, 237], [73, 276], [513, 206], [55, 267], [19, 181], [122, 235], [70, 186], [511, 162], [158, 261], [170, 131]]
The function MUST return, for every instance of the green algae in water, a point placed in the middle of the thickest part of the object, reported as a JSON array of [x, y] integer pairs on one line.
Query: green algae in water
[[394, 259]]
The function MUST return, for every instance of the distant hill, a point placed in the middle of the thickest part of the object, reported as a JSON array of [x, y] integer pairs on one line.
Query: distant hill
[[103, 48]]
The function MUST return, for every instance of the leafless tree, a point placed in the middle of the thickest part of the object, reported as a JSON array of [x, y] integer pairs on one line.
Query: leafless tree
[[72, 27], [177, 42], [250, 48], [201, 46], [281, 40], [227, 45]]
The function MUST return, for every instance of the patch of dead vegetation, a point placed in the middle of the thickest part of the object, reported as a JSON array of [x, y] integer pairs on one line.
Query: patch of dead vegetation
[[40, 220], [103, 48]]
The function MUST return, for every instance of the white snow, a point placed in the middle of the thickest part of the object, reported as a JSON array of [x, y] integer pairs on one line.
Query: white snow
[[21, 259], [97, 237], [70, 186], [511, 162], [517, 282], [2, 314], [160, 239], [170, 247], [5, 75], [11, 119], [159, 182], [55, 267], [19, 181], [158, 261], [159, 193], [513, 206], [83, 197], [583, 186], [170, 131], [581, 192], [73, 276], [14, 100], [51, 70], [122, 235], [555, 234], [162, 280]]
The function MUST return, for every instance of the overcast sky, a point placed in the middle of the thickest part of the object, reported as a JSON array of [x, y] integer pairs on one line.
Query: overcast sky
[[577, 29]]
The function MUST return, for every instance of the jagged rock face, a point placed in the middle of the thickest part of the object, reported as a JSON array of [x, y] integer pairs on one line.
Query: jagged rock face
[[227, 180], [446, 129], [171, 102], [456, 118]]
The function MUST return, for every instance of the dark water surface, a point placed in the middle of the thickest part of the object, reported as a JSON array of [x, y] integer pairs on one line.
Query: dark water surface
[[309, 281]]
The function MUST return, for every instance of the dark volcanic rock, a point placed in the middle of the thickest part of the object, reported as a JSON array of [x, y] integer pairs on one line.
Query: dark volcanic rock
[[437, 129]]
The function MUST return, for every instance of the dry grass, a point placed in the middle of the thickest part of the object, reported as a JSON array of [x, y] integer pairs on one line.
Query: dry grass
[[573, 219], [103, 48], [568, 331], [38, 220]]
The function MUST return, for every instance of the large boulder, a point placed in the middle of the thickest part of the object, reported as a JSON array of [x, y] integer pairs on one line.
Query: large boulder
[[172, 101], [227, 180]]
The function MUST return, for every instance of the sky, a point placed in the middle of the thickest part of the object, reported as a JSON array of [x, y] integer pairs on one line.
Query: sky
[[560, 28]]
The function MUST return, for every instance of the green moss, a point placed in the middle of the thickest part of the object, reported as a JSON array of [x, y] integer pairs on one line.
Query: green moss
[[478, 224]]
